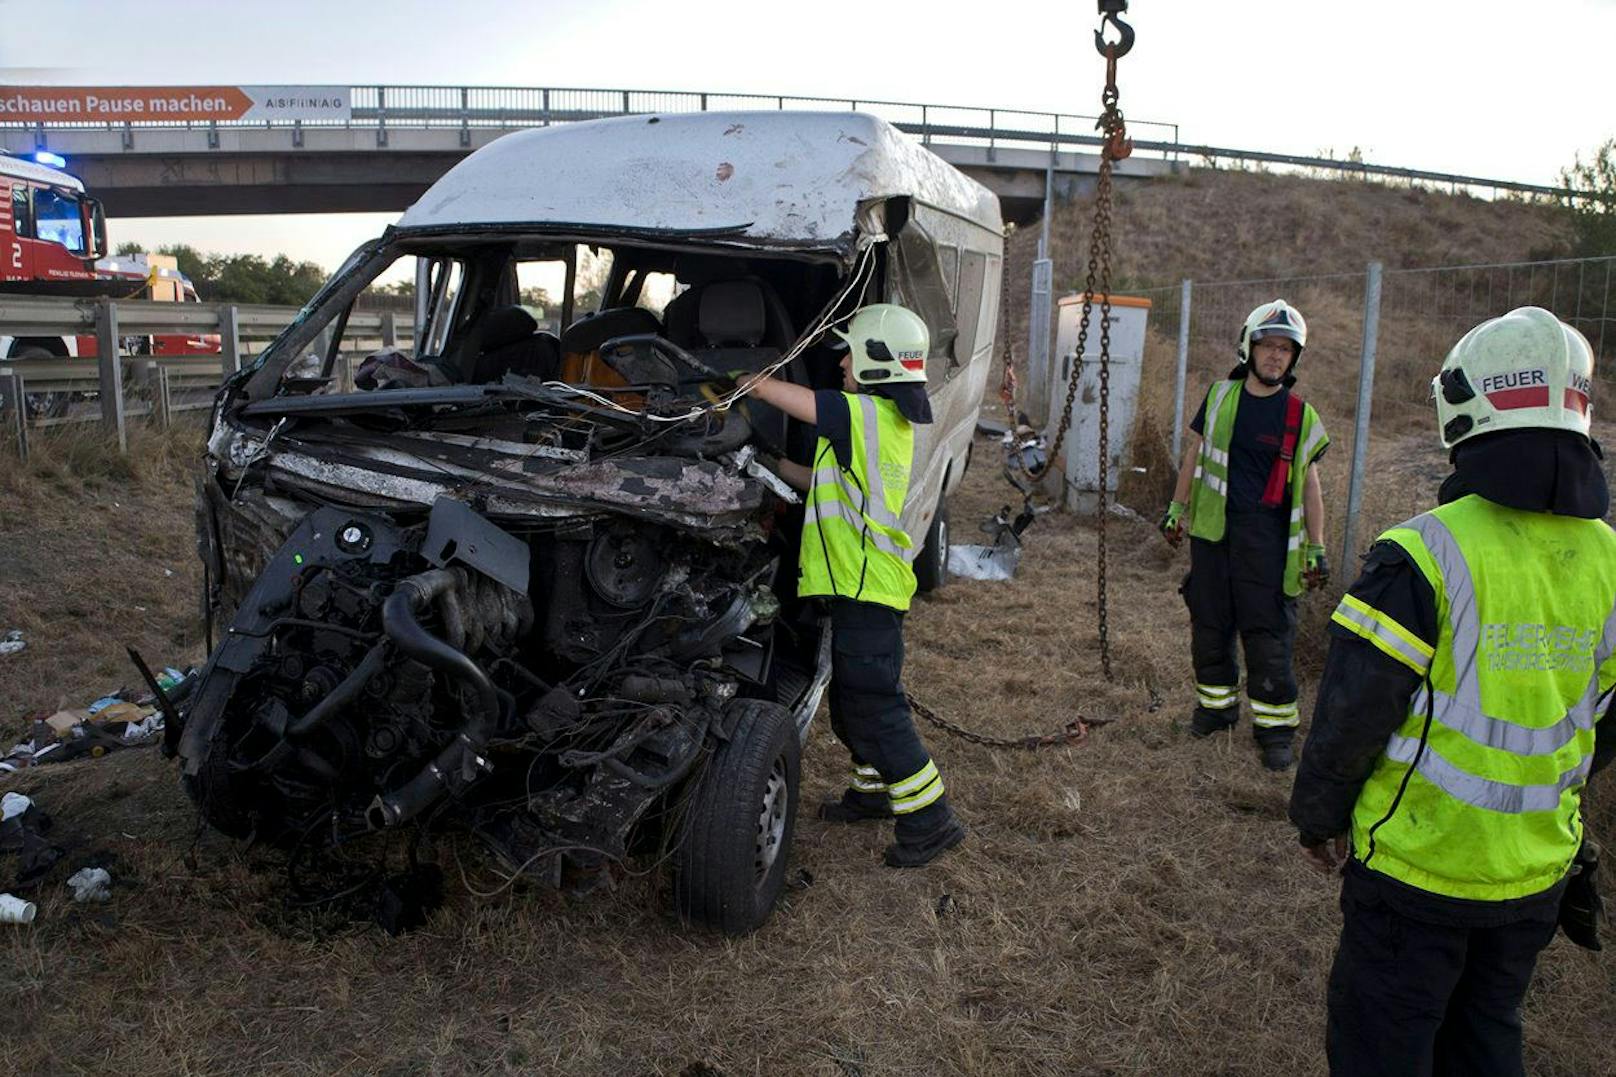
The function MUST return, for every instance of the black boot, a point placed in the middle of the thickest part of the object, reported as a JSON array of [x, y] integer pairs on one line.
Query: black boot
[[1205, 722], [1275, 746], [856, 807], [919, 850]]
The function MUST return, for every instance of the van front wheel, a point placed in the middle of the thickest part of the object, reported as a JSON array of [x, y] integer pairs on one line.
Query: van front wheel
[[931, 567], [730, 863]]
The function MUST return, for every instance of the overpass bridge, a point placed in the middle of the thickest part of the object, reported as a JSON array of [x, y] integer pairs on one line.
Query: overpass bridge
[[395, 141]]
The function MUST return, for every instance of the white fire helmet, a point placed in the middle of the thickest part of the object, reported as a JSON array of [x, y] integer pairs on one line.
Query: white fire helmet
[[888, 344], [1277, 318], [1527, 369]]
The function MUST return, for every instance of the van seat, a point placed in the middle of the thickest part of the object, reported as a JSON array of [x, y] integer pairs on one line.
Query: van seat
[[580, 343], [511, 343]]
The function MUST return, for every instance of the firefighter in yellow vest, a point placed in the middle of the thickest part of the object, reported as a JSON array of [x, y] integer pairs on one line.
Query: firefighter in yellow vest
[[855, 555], [1248, 493], [1464, 704]]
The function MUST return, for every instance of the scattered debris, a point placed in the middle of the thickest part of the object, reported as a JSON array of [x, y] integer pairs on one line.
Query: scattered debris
[[23, 833], [13, 642], [91, 884], [1024, 457], [14, 910], [13, 805], [123, 719]]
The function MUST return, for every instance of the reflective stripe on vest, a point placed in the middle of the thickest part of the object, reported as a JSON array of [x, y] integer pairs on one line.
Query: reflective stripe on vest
[[853, 541], [1477, 793]]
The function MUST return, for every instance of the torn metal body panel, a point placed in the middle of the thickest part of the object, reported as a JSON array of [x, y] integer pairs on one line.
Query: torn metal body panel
[[536, 577]]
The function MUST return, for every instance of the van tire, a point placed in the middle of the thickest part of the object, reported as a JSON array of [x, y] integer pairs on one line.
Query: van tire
[[729, 866], [931, 567]]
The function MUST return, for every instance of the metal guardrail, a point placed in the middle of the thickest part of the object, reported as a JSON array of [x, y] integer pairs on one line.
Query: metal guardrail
[[482, 107], [156, 380]]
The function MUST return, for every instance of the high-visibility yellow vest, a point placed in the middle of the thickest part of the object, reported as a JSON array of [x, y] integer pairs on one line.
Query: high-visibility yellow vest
[[853, 543], [1477, 795], [1209, 494]]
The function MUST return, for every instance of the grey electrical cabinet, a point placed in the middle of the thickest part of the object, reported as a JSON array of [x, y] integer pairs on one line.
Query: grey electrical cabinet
[[1080, 454]]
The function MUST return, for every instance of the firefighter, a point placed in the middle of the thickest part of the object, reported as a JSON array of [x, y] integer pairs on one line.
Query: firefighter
[[855, 555], [1248, 494], [1459, 716]]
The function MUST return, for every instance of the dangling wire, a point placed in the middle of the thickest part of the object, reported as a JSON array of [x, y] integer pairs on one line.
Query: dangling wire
[[832, 314]]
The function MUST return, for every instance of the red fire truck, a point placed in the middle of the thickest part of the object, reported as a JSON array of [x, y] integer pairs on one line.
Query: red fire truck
[[53, 241]]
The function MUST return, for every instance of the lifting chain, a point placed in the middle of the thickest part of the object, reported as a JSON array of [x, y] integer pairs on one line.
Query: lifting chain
[[1007, 380], [1115, 147], [1074, 732]]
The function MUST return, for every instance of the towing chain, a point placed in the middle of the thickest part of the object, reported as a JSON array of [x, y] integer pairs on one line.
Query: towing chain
[[1074, 732], [1115, 147]]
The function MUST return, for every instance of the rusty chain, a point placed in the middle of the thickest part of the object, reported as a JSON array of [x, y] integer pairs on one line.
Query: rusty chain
[[1115, 147], [1074, 732], [1007, 379]]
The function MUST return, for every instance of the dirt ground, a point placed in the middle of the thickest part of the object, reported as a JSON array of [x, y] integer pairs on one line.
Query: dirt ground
[[1131, 905]]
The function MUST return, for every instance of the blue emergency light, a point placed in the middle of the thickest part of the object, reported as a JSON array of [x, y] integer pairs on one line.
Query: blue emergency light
[[46, 157]]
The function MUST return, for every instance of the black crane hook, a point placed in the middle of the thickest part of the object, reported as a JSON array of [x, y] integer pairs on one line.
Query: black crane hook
[[1111, 12]]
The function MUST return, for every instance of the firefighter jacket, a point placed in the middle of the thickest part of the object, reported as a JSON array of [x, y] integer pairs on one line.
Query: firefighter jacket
[[1209, 493], [853, 542], [1495, 637]]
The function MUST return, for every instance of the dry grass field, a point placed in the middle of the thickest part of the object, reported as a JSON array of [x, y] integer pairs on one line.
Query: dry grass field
[[1131, 905]]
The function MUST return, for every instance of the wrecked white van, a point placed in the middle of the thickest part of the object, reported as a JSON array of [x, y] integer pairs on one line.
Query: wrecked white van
[[532, 580]]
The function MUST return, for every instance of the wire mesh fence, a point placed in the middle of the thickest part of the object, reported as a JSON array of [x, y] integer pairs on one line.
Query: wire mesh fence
[[1418, 316]]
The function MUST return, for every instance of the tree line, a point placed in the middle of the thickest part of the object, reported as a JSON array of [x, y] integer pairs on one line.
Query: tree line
[[243, 278]]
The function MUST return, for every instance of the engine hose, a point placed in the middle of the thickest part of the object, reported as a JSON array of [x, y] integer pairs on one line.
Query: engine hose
[[342, 694], [463, 756]]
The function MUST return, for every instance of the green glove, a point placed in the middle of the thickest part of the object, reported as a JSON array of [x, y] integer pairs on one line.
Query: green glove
[[1172, 522], [1315, 566]]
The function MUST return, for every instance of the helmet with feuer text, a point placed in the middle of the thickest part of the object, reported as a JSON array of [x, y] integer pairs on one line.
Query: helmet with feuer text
[[888, 344], [1525, 370]]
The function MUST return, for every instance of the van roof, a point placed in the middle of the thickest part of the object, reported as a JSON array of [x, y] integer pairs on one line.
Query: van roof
[[780, 179], [22, 168]]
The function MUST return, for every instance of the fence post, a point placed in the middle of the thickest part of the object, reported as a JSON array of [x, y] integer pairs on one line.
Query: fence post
[[389, 329], [229, 341], [162, 403], [14, 406], [1039, 402], [1182, 371], [1366, 390], [343, 373], [111, 367]]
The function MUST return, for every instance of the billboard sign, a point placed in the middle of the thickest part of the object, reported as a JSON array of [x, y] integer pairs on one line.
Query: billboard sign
[[170, 104]]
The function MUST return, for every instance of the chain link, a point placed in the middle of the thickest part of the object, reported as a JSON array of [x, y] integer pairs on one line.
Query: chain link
[[1098, 282], [1074, 732], [1115, 148]]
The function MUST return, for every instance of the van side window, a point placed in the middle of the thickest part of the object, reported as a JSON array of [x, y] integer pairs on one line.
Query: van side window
[[973, 274], [22, 213], [948, 259], [916, 281]]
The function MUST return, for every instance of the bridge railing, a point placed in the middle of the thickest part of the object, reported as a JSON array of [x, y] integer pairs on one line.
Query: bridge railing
[[471, 108], [123, 381], [502, 107]]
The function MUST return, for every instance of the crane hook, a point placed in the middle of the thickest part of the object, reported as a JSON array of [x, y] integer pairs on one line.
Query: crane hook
[[1110, 12]]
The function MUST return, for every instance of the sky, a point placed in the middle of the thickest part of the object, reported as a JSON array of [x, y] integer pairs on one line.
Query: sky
[[1477, 87]]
